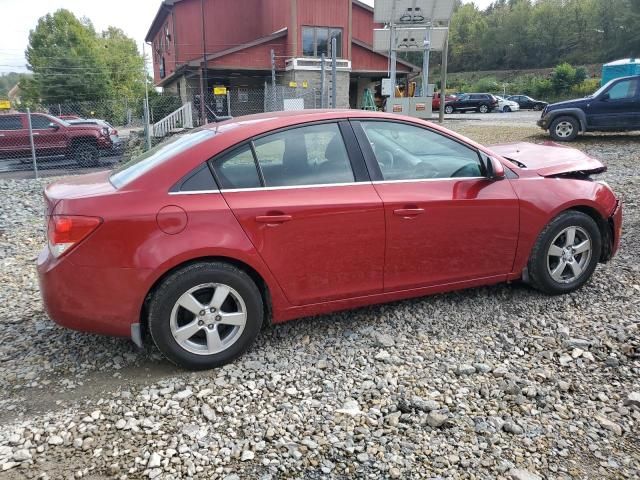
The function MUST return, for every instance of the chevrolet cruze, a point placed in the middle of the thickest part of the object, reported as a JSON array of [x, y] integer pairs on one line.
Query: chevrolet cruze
[[206, 237]]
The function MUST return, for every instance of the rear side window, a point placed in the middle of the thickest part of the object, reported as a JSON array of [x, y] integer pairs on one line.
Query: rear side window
[[10, 123], [311, 155], [237, 169], [164, 151]]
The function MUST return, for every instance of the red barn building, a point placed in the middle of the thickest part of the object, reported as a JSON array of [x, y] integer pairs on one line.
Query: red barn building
[[238, 36]]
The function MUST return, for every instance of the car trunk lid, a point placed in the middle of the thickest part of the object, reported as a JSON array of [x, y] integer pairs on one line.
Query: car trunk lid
[[550, 159], [80, 186]]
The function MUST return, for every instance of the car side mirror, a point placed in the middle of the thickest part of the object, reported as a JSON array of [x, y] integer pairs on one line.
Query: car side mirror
[[54, 126], [604, 97], [493, 169]]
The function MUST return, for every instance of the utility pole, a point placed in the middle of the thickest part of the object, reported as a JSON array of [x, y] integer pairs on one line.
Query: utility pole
[[334, 83], [425, 63], [323, 98], [443, 76], [203, 71], [147, 121], [393, 61], [273, 80]]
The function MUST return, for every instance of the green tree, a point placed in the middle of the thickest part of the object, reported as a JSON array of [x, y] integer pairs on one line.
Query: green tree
[[71, 62], [124, 64], [63, 54]]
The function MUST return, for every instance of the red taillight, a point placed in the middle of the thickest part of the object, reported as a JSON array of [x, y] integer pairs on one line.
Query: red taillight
[[65, 231]]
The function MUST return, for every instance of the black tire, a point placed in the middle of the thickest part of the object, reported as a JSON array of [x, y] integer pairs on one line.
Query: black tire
[[506, 109], [165, 297], [483, 109], [448, 109], [86, 154], [537, 107], [539, 265], [564, 129]]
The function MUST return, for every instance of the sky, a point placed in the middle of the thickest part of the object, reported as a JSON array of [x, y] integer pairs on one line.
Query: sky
[[132, 16]]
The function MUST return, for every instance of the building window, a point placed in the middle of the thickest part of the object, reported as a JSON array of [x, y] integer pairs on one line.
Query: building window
[[317, 40], [162, 69]]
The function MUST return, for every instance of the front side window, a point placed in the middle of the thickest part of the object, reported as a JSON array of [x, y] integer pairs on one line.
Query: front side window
[[311, 155], [40, 122], [623, 90], [317, 41], [407, 152]]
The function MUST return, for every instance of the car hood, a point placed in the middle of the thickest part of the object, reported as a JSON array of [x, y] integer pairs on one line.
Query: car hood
[[550, 159], [567, 103]]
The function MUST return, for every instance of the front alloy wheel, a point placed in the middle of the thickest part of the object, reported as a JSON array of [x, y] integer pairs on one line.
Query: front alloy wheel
[[566, 253], [569, 254]]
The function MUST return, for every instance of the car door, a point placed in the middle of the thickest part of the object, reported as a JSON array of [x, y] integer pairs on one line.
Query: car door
[[304, 199], [446, 222], [48, 135], [617, 107], [14, 137]]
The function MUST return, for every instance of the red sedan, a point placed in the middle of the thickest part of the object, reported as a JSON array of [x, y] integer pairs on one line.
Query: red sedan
[[277, 216]]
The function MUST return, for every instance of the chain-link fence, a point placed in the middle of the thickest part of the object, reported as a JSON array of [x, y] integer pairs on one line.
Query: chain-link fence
[[81, 137]]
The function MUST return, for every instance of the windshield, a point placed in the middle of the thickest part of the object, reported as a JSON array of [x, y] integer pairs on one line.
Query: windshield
[[165, 150], [57, 120]]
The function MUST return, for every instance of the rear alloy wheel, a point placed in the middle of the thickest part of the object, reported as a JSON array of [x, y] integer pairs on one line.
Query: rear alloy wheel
[[448, 109], [205, 315], [564, 129], [506, 109], [87, 155], [566, 253], [483, 109]]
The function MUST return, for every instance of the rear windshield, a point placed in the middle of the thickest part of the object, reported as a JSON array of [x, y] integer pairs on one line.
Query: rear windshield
[[138, 166]]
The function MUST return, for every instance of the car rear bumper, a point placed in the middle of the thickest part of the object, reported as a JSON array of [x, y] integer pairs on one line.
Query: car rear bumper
[[97, 300]]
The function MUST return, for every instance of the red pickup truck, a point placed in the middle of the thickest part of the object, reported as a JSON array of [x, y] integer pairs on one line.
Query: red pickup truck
[[52, 137]]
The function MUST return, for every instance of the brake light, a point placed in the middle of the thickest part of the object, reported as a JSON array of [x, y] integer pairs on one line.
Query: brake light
[[65, 231]]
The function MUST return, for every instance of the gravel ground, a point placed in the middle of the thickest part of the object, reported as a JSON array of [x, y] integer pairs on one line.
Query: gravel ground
[[499, 382]]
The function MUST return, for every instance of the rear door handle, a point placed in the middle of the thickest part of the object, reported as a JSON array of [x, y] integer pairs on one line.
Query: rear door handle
[[408, 212], [273, 218]]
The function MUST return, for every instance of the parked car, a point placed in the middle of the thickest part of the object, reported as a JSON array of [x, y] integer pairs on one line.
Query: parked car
[[271, 217], [435, 102], [614, 107], [52, 137], [527, 103], [116, 141], [506, 106], [479, 102]]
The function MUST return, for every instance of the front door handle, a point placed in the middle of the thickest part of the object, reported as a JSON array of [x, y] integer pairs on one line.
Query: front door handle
[[408, 212], [273, 218]]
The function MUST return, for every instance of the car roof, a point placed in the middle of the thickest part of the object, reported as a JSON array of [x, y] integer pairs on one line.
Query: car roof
[[262, 122]]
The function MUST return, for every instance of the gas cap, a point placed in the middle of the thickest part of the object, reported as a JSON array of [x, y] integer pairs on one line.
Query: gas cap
[[171, 219]]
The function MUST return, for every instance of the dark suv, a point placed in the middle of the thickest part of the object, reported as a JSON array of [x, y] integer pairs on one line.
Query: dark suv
[[52, 137], [479, 102], [614, 107]]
